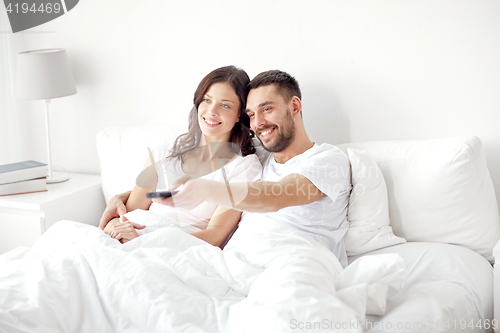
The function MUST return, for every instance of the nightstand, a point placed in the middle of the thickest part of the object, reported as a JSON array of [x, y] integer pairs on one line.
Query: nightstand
[[25, 217]]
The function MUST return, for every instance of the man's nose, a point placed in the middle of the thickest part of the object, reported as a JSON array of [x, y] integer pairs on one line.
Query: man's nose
[[257, 121]]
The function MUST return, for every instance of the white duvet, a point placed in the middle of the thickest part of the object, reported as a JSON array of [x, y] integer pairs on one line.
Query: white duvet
[[269, 278]]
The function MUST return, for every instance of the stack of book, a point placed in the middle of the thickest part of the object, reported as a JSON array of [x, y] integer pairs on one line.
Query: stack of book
[[23, 177]]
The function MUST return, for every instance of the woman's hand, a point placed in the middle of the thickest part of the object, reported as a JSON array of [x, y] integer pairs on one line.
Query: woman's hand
[[110, 225], [125, 231]]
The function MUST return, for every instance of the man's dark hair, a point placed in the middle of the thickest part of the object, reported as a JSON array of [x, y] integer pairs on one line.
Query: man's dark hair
[[286, 85]]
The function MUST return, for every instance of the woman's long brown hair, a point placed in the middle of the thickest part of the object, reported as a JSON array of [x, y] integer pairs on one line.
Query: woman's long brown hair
[[240, 134]]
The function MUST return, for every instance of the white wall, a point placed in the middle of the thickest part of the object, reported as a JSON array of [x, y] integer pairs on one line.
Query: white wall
[[369, 70]]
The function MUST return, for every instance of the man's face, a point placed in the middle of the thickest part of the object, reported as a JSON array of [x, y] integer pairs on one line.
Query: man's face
[[271, 118]]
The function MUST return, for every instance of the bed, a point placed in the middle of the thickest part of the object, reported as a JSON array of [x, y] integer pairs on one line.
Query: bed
[[441, 200], [420, 256], [448, 288]]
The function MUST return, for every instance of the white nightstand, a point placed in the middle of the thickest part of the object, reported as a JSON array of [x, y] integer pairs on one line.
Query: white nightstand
[[24, 217]]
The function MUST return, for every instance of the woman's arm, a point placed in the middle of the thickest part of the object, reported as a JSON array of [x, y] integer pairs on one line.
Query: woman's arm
[[128, 201], [136, 200], [221, 224], [146, 182]]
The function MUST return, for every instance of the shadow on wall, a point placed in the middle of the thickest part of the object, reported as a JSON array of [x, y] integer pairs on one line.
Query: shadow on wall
[[324, 118]]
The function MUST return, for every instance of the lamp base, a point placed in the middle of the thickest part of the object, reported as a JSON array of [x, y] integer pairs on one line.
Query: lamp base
[[57, 177]]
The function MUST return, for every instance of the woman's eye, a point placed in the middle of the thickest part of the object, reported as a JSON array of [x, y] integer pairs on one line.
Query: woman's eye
[[206, 100], [225, 106]]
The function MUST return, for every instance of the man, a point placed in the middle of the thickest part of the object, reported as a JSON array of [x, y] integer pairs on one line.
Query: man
[[303, 184]]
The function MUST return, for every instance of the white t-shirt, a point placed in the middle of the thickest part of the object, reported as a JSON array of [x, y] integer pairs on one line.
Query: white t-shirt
[[328, 168], [239, 170]]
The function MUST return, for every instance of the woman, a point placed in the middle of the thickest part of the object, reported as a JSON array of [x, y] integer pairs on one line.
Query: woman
[[218, 129], [75, 271]]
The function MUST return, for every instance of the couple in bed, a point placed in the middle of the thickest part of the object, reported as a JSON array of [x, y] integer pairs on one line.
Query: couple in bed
[[225, 180]]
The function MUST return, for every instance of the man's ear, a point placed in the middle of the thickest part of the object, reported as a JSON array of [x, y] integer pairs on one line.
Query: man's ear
[[296, 105]]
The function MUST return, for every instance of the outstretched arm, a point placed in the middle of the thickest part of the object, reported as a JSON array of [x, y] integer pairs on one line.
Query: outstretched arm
[[259, 196]]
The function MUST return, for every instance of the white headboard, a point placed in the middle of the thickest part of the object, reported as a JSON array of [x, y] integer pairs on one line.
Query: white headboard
[[123, 151], [439, 190]]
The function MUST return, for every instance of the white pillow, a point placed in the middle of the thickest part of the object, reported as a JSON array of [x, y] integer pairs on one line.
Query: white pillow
[[123, 151], [439, 190], [368, 211]]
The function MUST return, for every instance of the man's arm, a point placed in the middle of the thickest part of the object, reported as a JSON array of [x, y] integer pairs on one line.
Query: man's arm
[[120, 204], [115, 208], [259, 196]]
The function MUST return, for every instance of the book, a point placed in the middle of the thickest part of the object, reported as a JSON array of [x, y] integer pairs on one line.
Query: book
[[10, 173], [24, 186]]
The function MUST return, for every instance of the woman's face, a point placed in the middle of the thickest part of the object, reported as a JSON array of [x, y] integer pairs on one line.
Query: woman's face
[[218, 112]]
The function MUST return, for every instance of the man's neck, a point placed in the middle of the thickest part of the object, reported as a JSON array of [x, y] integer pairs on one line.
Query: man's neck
[[298, 146]]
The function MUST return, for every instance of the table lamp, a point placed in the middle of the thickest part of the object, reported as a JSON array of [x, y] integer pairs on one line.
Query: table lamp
[[43, 75]]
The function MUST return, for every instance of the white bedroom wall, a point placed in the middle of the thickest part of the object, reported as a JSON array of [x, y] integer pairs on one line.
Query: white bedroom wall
[[368, 70]]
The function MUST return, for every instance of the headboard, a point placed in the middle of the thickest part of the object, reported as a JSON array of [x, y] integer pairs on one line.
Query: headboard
[[439, 190]]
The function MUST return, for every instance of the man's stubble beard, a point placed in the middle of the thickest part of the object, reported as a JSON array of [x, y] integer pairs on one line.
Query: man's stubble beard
[[285, 136]]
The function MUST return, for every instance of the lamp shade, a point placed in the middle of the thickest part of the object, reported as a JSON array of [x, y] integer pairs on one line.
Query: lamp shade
[[44, 74]]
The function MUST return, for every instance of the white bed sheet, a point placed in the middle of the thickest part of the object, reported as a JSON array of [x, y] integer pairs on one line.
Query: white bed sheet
[[269, 278], [447, 288]]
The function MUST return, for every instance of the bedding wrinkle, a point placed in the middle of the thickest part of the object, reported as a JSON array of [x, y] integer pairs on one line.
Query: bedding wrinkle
[[268, 276], [444, 282]]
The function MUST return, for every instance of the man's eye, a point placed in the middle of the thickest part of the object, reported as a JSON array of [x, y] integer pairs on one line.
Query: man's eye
[[250, 115]]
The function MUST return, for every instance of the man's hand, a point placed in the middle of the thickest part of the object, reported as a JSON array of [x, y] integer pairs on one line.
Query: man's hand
[[189, 195], [125, 231], [115, 208]]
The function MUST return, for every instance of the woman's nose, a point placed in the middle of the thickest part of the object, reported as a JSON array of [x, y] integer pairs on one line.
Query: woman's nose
[[212, 109]]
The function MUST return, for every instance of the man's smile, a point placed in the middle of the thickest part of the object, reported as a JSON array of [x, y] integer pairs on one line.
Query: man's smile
[[266, 133]]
